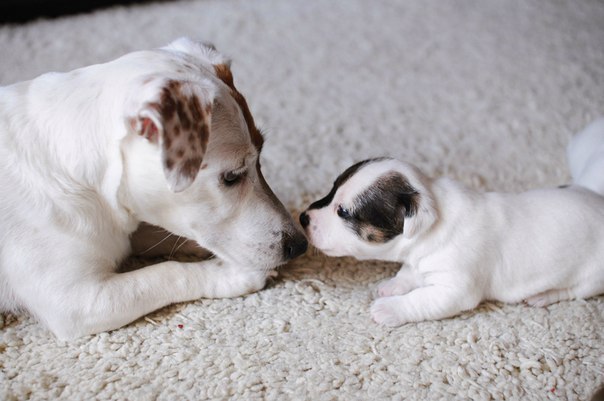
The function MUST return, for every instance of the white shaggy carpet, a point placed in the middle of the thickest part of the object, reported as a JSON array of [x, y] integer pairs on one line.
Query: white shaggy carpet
[[486, 91]]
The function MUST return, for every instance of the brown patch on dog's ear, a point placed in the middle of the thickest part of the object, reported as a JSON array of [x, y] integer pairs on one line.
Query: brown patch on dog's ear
[[179, 122], [223, 72]]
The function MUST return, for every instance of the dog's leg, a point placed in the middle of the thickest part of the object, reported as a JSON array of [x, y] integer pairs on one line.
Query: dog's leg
[[101, 303], [425, 303], [550, 297], [405, 280]]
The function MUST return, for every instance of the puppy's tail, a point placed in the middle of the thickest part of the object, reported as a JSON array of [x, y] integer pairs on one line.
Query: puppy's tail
[[585, 154]]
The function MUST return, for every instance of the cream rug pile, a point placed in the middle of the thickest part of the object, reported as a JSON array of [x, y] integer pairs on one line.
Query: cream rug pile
[[485, 91]]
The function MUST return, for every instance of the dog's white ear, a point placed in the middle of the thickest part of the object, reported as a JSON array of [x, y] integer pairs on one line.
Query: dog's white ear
[[179, 123]]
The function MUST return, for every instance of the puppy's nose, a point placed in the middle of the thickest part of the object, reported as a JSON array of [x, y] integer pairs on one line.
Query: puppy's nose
[[294, 245], [304, 219]]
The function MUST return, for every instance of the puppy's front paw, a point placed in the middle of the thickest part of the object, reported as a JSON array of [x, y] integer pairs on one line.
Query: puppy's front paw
[[394, 286], [385, 311]]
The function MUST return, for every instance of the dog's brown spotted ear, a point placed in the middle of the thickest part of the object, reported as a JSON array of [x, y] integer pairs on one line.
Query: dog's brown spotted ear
[[179, 123]]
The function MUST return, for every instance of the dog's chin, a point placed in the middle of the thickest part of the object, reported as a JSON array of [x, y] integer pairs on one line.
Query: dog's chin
[[252, 262]]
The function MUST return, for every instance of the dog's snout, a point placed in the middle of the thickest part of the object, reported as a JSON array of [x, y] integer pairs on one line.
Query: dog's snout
[[294, 245], [304, 219]]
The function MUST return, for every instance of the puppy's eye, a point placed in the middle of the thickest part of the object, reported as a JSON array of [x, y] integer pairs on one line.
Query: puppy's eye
[[343, 212], [231, 178]]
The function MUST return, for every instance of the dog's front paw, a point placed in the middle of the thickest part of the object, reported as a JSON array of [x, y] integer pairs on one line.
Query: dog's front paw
[[385, 311], [253, 281], [393, 286], [237, 282]]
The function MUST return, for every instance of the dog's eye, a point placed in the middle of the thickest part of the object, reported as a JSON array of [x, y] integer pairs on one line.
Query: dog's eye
[[231, 178], [343, 212]]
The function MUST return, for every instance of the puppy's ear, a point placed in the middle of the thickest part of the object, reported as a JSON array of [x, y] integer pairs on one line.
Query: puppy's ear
[[420, 213], [386, 209], [179, 123]]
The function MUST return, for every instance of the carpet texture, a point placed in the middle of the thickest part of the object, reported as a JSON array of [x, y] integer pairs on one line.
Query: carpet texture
[[487, 92]]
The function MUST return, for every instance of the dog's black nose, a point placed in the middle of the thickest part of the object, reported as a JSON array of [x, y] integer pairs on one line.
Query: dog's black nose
[[304, 219], [294, 245]]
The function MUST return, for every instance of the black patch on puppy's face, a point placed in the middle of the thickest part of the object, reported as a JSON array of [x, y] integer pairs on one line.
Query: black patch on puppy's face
[[342, 178], [378, 214]]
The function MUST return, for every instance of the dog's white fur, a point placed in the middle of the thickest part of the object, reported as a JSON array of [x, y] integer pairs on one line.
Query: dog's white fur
[[462, 247], [83, 160]]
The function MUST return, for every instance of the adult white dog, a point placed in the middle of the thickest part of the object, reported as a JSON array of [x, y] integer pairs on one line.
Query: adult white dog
[[460, 247], [158, 136]]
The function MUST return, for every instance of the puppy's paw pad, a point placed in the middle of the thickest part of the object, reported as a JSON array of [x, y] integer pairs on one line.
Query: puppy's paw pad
[[550, 297], [539, 301], [384, 312]]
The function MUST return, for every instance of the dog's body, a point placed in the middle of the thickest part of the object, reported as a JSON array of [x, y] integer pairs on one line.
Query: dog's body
[[158, 136], [459, 246]]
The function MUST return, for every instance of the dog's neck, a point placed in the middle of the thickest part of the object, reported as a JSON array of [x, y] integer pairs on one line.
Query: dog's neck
[[76, 130]]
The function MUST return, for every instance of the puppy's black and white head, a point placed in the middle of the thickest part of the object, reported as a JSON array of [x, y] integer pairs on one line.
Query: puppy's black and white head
[[370, 206]]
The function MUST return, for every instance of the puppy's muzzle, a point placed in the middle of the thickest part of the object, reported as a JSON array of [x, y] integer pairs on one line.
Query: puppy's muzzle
[[294, 245]]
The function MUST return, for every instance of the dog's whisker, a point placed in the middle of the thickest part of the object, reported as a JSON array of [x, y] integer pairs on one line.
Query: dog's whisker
[[158, 243], [175, 248]]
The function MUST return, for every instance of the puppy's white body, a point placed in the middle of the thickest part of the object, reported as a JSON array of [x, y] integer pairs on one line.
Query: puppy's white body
[[460, 247], [500, 247], [85, 156]]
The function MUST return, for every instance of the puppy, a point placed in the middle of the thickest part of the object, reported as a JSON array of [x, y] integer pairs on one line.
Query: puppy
[[460, 247], [160, 136]]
